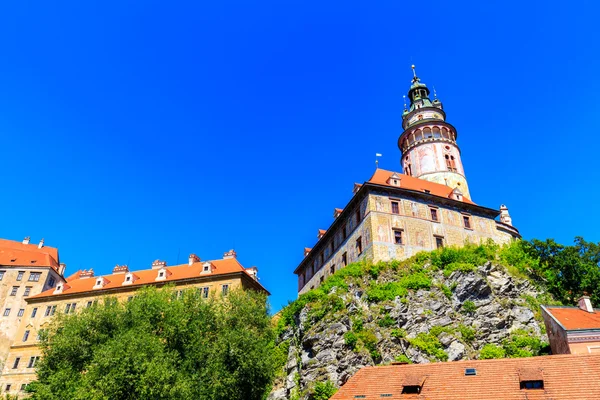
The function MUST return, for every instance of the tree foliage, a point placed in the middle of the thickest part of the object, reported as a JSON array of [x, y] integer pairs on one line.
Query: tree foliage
[[158, 346], [567, 271]]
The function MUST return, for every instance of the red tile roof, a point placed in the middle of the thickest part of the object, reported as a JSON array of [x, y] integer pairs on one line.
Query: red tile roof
[[381, 177], [565, 377], [575, 317], [18, 253], [75, 284]]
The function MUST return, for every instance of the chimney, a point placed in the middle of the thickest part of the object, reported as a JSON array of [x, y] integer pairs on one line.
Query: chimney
[[193, 259], [26, 240], [585, 304], [229, 254], [41, 244], [158, 264], [253, 272], [61, 268], [337, 212], [505, 216], [306, 251], [120, 269], [86, 274]]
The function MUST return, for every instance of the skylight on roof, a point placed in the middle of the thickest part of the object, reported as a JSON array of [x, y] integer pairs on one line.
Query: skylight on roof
[[411, 389], [470, 371], [537, 384]]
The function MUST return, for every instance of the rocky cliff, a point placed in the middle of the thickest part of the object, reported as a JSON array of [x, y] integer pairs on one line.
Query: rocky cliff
[[447, 305]]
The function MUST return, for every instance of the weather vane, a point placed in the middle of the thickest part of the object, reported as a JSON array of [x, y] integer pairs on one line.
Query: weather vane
[[377, 160]]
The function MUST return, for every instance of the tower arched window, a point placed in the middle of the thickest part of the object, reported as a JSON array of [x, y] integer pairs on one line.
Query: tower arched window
[[436, 132], [445, 133], [418, 135], [427, 133], [453, 163]]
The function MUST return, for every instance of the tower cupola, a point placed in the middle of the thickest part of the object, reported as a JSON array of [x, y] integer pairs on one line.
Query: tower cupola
[[428, 143]]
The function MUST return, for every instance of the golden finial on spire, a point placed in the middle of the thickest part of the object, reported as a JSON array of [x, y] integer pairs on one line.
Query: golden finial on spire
[[414, 71]]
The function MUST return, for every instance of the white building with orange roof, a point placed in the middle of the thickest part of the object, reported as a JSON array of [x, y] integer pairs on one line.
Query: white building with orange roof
[[395, 215], [83, 288]]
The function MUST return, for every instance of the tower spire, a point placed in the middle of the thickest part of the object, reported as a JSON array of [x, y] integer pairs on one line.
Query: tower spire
[[415, 78]]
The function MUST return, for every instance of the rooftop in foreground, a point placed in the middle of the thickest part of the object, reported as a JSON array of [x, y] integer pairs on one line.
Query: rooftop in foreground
[[548, 377]]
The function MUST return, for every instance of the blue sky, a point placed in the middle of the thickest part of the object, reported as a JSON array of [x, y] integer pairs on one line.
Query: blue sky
[[135, 131]]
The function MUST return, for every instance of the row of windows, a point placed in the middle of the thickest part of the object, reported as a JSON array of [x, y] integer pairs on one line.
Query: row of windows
[[9, 386], [428, 133], [15, 290], [32, 361], [33, 276], [434, 213], [400, 240]]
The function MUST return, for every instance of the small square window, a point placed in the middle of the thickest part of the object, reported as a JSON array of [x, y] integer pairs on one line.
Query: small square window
[[14, 290], [20, 275], [345, 259], [51, 281], [467, 221], [89, 304], [332, 269], [6, 312], [434, 214], [27, 291], [23, 387], [32, 361], [21, 312], [34, 276], [359, 248], [395, 207], [8, 386], [439, 242], [398, 236]]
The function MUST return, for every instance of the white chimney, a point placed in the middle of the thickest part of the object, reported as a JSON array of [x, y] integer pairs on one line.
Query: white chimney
[[504, 215], [26, 240], [157, 264], [41, 244], [230, 254], [193, 259], [61, 268], [253, 272], [585, 304]]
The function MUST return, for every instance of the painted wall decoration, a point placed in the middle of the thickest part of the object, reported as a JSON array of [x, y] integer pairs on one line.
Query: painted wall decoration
[[426, 156], [382, 233]]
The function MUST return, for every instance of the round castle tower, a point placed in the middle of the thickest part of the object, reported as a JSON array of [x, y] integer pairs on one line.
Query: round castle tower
[[428, 143]]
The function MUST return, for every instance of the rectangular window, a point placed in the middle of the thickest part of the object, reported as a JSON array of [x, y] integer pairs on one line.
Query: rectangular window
[[130, 298], [53, 310], [26, 336], [48, 310], [359, 245], [395, 207], [16, 363], [332, 269], [321, 279], [398, 239], [2, 275], [23, 387], [467, 221], [32, 361], [439, 242], [345, 259], [20, 275], [357, 217], [33, 312], [89, 304], [8, 386], [51, 281], [6, 312], [205, 292], [344, 233], [21, 312], [14, 290], [434, 214], [34, 276], [68, 308], [322, 259], [225, 290], [27, 291]]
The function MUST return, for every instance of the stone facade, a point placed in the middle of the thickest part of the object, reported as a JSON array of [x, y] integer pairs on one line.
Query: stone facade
[[423, 222]]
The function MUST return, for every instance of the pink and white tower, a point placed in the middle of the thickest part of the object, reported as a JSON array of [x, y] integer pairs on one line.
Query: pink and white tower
[[428, 143]]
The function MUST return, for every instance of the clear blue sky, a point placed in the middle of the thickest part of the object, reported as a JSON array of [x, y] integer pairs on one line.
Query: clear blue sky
[[134, 131]]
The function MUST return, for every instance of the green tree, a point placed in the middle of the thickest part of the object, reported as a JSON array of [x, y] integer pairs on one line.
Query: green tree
[[567, 271], [158, 346]]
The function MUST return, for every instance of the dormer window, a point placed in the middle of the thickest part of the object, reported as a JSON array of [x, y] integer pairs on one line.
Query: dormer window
[[129, 278], [100, 282], [206, 268], [394, 180], [162, 275], [59, 288]]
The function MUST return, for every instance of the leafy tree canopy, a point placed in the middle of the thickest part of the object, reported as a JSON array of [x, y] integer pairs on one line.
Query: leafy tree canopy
[[158, 346], [568, 271]]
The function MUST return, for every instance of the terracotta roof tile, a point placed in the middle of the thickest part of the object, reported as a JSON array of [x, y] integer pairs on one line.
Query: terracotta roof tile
[[18, 253], [381, 177], [575, 317], [76, 284], [565, 377]]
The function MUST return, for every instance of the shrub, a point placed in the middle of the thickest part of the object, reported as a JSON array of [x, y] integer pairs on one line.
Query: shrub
[[469, 307], [387, 291], [437, 330], [350, 339], [369, 340], [323, 391], [522, 344], [416, 281], [430, 345], [357, 324], [398, 333], [490, 351], [386, 321], [403, 358], [446, 290], [468, 334], [458, 266]]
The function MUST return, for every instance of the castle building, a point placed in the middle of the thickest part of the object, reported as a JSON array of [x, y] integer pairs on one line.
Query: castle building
[[26, 270], [395, 215], [83, 289]]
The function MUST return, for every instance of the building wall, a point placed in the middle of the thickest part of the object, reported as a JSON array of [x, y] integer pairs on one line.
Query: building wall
[[418, 231], [16, 377], [556, 335], [9, 324], [587, 347]]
